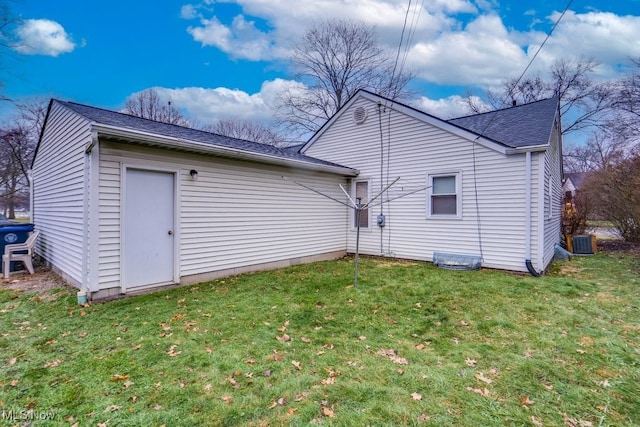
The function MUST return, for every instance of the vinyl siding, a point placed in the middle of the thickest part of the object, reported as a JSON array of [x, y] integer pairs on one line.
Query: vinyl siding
[[235, 214], [411, 150], [553, 224], [59, 192]]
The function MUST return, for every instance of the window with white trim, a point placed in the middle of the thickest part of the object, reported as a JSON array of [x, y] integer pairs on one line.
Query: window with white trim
[[361, 191], [445, 195]]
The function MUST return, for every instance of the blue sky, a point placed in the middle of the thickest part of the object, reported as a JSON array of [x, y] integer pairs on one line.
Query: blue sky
[[228, 58]]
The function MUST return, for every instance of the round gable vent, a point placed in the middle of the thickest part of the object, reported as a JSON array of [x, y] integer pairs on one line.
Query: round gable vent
[[360, 115]]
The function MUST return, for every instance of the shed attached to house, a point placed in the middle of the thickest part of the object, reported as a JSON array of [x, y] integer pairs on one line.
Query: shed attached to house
[[487, 185], [125, 204]]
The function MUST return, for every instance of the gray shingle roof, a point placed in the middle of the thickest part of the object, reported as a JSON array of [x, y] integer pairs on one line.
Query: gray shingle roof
[[526, 125], [126, 121]]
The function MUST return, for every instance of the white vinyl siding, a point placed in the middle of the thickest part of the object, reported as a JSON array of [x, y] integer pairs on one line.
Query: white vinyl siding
[[414, 150], [553, 223], [236, 213], [59, 197]]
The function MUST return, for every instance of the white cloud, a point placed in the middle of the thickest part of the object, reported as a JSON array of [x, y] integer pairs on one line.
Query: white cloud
[[454, 42], [188, 11], [608, 38], [42, 37], [207, 105], [483, 53], [242, 39], [446, 108]]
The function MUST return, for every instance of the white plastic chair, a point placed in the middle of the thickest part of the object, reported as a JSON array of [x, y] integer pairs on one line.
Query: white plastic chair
[[11, 253]]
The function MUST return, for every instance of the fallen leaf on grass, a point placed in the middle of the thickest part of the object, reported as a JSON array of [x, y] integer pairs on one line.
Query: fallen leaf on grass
[[470, 362], [416, 396], [284, 327], [328, 412], [296, 364], [227, 399], [548, 386], [305, 340], [12, 361], [283, 338], [128, 384], [14, 383], [481, 377], [536, 422], [328, 381], [53, 363], [424, 417], [208, 387], [481, 392], [291, 411], [525, 401], [300, 396], [172, 351], [157, 407], [118, 377], [112, 408]]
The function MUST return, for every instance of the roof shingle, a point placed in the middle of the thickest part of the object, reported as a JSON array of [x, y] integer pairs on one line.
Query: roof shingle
[[526, 125]]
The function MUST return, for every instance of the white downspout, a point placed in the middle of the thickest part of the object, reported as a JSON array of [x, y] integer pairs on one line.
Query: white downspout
[[527, 226]]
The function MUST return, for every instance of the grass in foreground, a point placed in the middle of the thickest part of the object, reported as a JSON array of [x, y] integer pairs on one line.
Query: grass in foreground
[[411, 345]]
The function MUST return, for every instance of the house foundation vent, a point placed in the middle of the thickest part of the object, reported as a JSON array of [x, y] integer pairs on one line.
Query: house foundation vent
[[582, 245]]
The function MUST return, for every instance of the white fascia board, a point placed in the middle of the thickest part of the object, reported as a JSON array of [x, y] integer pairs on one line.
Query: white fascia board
[[200, 147]]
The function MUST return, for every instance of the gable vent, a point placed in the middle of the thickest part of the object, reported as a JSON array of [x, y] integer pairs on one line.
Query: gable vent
[[360, 115]]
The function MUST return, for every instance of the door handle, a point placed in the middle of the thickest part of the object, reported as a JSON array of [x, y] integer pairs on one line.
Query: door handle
[[170, 233]]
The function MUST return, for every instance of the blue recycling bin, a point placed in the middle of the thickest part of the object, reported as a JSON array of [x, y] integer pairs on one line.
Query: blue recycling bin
[[11, 233]]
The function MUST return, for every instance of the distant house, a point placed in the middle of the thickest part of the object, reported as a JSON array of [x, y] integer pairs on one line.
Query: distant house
[[573, 183], [126, 204]]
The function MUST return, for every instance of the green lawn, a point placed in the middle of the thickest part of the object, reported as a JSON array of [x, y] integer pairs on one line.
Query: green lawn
[[411, 345]]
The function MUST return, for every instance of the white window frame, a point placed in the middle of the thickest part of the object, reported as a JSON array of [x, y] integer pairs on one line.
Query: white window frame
[[458, 177], [353, 211]]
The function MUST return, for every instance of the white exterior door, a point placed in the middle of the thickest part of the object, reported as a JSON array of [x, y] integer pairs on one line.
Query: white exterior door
[[148, 228]]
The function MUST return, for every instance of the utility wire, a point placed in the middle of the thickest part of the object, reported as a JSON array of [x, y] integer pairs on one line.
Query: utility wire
[[486, 126]]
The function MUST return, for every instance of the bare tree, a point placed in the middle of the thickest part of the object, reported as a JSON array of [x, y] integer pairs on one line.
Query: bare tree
[[250, 131], [16, 152], [615, 190], [17, 146], [585, 105], [149, 105], [335, 59]]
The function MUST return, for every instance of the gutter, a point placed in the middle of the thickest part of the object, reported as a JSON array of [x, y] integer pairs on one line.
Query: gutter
[[199, 147], [527, 226]]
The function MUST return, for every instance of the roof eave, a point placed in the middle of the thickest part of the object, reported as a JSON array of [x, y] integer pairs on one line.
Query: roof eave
[[529, 148], [146, 138]]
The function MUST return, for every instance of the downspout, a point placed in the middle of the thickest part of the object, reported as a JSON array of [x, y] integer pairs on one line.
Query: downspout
[[527, 227], [88, 183]]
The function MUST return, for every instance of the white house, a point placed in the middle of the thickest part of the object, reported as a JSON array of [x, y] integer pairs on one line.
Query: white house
[[493, 181], [126, 204]]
